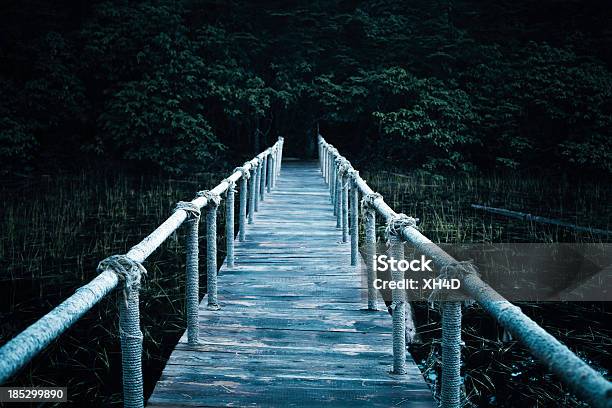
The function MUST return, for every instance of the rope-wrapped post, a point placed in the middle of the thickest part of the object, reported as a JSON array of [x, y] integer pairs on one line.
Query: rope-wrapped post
[[130, 272], [192, 270], [325, 166], [280, 155], [354, 219], [252, 194], [369, 216], [332, 184], [229, 223], [398, 305], [450, 394], [345, 206], [213, 201], [257, 185], [242, 216], [264, 178], [330, 163], [338, 199], [271, 171]]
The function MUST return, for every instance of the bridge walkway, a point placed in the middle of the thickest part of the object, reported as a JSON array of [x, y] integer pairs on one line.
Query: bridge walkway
[[293, 328]]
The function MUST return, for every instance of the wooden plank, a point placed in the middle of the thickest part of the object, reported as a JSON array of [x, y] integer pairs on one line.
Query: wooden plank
[[293, 328]]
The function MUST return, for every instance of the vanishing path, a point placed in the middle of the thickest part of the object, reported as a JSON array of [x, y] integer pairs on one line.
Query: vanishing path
[[293, 329]]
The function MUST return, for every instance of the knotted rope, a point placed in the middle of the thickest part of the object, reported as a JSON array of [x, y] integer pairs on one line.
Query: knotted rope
[[211, 197], [231, 184], [127, 270], [192, 284], [452, 270], [344, 168], [243, 170], [192, 210], [367, 201], [130, 272], [397, 223]]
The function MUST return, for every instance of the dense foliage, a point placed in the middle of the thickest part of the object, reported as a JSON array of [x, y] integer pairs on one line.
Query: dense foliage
[[444, 86]]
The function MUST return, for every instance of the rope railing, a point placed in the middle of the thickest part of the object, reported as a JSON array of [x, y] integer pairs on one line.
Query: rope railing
[[585, 382], [128, 270]]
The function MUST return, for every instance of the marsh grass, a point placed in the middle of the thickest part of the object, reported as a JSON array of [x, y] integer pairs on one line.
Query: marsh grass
[[496, 372], [54, 231]]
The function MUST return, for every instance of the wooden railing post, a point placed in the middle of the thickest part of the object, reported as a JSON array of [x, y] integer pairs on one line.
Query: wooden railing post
[[131, 348], [257, 185], [242, 216], [338, 194], [192, 269], [264, 178], [229, 224], [450, 394], [369, 216], [398, 306], [344, 180], [213, 201], [270, 171], [354, 219], [332, 185], [252, 194]]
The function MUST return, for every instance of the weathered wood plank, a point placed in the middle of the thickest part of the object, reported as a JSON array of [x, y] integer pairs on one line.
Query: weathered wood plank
[[293, 329]]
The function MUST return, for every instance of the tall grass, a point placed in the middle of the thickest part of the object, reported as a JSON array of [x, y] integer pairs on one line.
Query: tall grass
[[498, 372], [54, 231]]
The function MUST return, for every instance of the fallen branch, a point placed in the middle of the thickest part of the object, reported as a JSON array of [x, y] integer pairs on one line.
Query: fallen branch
[[536, 218]]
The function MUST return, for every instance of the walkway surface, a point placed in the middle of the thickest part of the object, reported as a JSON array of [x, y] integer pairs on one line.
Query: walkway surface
[[292, 329]]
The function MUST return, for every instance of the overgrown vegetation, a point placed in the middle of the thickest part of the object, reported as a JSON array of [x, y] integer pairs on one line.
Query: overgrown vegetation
[[498, 371], [445, 86], [51, 244]]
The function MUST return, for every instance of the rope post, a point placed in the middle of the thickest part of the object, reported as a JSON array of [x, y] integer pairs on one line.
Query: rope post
[[271, 172], [131, 349], [324, 166], [329, 168], [130, 272], [345, 210], [280, 155], [398, 306], [192, 269], [264, 178], [229, 223], [354, 220], [213, 201], [450, 394], [338, 199], [332, 184], [257, 185], [252, 194], [273, 168], [395, 225], [242, 216], [369, 216]]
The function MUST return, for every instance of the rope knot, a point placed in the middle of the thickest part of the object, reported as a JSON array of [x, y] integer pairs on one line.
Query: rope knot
[[231, 184], [211, 198], [452, 270], [367, 201], [244, 171], [397, 223], [192, 210], [344, 168], [128, 271]]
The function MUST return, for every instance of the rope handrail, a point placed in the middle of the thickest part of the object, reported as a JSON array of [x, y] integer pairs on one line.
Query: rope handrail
[[22, 348], [586, 382]]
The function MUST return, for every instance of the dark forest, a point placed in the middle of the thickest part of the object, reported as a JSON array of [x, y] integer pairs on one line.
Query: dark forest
[[442, 86]]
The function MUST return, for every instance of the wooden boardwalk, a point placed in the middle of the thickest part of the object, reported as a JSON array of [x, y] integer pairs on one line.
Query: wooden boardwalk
[[292, 329]]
